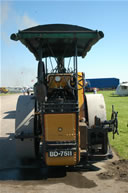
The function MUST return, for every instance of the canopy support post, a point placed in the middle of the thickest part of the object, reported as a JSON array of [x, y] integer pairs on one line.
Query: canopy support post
[[41, 70]]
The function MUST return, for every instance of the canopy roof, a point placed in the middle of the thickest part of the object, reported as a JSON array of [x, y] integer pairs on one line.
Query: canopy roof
[[58, 40]]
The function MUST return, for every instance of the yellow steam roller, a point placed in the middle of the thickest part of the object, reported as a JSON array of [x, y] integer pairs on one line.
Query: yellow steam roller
[[60, 124]]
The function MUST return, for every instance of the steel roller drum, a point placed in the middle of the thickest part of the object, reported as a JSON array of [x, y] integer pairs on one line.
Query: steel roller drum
[[95, 107], [25, 124]]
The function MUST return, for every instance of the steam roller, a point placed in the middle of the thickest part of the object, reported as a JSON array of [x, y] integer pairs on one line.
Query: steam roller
[[61, 124]]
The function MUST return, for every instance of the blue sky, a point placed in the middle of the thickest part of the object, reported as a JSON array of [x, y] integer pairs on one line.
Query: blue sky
[[107, 58]]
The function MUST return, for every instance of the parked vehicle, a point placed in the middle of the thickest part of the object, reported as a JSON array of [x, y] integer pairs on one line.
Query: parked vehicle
[[122, 89], [3, 90]]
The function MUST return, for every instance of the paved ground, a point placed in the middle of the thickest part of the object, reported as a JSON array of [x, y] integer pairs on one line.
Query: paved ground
[[17, 178]]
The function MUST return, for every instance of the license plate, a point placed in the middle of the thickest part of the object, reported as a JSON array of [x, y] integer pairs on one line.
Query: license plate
[[65, 153]]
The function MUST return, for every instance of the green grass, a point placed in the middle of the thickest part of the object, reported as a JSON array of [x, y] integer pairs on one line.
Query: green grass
[[120, 143]]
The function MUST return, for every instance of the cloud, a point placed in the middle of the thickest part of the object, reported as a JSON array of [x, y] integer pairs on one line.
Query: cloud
[[5, 37], [5, 8], [10, 18], [26, 22]]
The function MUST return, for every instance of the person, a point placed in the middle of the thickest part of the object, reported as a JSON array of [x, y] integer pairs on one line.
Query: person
[[28, 91], [23, 91], [95, 90]]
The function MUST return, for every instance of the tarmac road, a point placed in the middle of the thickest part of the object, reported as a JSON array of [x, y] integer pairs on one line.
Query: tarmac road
[[18, 178]]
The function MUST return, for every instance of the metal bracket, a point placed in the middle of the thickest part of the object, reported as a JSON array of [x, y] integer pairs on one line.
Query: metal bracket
[[113, 123]]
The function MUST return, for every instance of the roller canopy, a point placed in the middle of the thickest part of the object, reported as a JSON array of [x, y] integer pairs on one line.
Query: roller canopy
[[58, 40]]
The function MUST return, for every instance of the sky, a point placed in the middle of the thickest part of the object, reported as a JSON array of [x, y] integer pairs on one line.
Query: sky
[[107, 59]]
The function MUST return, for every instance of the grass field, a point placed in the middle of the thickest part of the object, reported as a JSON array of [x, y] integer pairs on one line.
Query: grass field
[[120, 143]]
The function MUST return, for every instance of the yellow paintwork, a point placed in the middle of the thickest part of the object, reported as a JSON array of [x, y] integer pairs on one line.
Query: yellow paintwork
[[3, 90], [53, 122], [62, 83], [66, 121], [62, 127], [81, 96]]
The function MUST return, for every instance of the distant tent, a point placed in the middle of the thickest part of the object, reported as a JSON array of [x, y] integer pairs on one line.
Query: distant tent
[[122, 89]]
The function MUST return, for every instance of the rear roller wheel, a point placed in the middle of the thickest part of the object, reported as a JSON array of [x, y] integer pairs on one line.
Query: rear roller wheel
[[95, 107], [97, 136], [25, 147]]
